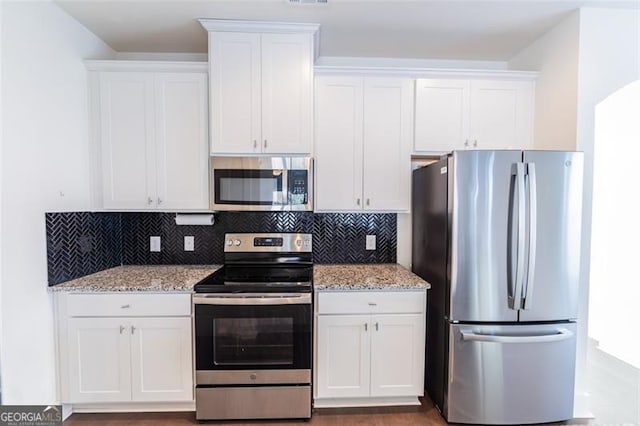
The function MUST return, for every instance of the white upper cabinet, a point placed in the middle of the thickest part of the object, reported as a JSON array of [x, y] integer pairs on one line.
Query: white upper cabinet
[[235, 92], [387, 143], [152, 137], [261, 87], [338, 148], [473, 114], [127, 139], [181, 141], [363, 143]]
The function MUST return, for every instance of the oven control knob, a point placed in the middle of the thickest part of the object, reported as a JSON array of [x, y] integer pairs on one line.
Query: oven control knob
[[229, 242], [298, 243], [236, 242], [253, 377]]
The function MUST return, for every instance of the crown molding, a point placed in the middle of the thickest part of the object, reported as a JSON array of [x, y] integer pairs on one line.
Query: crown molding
[[159, 66], [231, 25]]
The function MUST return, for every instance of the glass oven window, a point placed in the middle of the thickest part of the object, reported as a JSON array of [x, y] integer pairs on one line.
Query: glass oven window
[[253, 341]]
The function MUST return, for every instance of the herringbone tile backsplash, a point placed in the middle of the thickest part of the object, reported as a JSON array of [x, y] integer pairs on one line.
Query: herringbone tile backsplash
[[82, 243]]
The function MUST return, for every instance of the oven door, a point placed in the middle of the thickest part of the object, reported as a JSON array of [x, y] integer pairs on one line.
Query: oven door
[[261, 183], [253, 331]]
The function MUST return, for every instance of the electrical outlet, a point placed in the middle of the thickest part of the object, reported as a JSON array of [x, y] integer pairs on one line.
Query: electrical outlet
[[371, 242], [188, 243], [154, 244]]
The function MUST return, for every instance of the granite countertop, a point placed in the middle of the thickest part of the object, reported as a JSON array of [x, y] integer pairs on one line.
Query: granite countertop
[[178, 278], [366, 277]]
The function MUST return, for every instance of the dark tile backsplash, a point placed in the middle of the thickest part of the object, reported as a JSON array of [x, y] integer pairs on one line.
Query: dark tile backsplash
[[82, 243], [340, 237]]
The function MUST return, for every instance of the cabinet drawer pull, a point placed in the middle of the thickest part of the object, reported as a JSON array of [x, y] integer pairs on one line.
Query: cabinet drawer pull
[[368, 201], [373, 304], [133, 329], [159, 200], [358, 201], [466, 143], [122, 327], [366, 327], [149, 200], [475, 143], [377, 327], [125, 306], [265, 143], [255, 144]]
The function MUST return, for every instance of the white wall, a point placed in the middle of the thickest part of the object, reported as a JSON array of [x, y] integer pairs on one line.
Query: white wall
[[44, 168], [609, 59], [555, 56], [614, 285]]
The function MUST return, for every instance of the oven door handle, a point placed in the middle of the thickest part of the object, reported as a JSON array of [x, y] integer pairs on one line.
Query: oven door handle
[[253, 299]]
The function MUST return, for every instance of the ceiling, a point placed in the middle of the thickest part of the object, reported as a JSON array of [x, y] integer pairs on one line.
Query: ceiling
[[422, 29]]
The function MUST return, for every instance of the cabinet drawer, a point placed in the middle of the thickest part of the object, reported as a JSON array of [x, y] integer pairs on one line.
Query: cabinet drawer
[[128, 305], [376, 302]]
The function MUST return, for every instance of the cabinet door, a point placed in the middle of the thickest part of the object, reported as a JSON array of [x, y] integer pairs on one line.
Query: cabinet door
[[338, 148], [181, 138], [99, 368], [235, 92], [127, 140], [500, 114], [161, 359], [343, 356], [442, 114], [387, 143], [287, 85], [397, 355]]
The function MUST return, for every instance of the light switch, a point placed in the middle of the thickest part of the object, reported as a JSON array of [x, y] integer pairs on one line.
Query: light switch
[[188, 243], [154, 244], [371, 242]]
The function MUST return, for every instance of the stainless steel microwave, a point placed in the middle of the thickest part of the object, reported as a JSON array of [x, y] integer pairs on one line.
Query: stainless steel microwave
[[261, 183]]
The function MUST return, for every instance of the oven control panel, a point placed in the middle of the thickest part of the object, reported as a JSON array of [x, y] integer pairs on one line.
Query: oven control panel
[[270, 242]]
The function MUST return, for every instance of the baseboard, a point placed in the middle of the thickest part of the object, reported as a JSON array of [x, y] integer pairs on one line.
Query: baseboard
[[134, 407], [365, 402]]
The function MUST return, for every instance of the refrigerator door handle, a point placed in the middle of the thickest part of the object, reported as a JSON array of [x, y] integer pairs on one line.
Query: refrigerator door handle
[[560, 334], [533, 231], [516, 300]]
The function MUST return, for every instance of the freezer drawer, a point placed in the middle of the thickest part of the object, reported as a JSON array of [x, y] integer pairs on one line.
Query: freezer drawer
[[511, 374]]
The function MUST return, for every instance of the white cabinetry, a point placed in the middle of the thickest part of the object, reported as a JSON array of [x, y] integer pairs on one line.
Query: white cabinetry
[[473, 114], [130, 349], [363, 143], [370, 348], [152, 135], [261, 87]]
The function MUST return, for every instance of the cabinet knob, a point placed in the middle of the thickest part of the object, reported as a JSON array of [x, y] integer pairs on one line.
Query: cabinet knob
[[149, 200], [159, 200], [122, 327]]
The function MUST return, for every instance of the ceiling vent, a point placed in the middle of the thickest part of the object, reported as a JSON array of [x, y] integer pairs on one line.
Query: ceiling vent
[[307, 1]]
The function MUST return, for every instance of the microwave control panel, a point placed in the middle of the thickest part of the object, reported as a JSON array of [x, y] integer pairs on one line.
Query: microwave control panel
[[298, 186]]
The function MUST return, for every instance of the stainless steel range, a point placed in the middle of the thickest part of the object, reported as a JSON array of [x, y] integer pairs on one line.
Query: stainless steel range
[[253, 330]]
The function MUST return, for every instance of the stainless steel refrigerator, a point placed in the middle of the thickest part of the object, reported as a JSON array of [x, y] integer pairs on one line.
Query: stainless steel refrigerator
[[497, 234]]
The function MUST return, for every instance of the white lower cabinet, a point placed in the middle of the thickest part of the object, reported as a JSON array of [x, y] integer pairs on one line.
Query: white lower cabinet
[[125, 358], [370, 348]]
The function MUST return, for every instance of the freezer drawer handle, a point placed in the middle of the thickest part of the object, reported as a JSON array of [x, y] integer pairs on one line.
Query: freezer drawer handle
[[561, 334]]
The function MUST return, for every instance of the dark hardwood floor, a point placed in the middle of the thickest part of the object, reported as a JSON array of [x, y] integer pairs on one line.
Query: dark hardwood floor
[[423, 415]]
